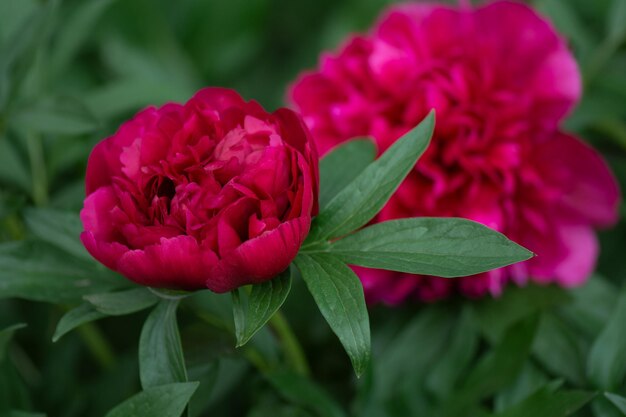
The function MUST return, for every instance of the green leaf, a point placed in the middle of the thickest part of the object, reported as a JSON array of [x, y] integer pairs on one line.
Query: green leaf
[[12, 16], [591, 305], [430, 330], [167, 294], [127, 95], [59, 228], [76, 28], [19, 413], [616, 24], [497, 368], [429, 246], [528, 381], [306, 393], [216, 383], [82, 314], [545, 403], [60, 117], [162, 401], [617, 400], [161, 358], [338, 294], [122, 302], [558, 349], [456, 356], [494, 316], [18, 52], [40, 278], [264, 300], [606, 363], [13, 170], [342, 165], [239, 314], [363, 198], [6, 335], [272, 407]]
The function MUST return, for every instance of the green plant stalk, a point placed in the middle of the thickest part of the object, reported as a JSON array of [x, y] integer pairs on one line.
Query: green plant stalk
[[257, 360], [97, 345], [291, 347]]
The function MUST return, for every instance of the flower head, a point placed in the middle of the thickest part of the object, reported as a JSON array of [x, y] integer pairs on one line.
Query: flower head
[[214, 193]]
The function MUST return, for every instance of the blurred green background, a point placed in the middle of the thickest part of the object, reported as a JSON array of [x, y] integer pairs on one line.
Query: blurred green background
[[71, 71]]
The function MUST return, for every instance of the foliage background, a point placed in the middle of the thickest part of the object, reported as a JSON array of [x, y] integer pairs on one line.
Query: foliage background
[[71, 71]]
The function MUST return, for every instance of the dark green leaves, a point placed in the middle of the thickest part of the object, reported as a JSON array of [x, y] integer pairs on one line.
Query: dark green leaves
[[607, 360], [339, 296], [429, 246], [75, 31], [498, 368], [355, 196], [13, 170], [58, 117], [162, 401], [5, 337], [82, 314], [616, 22], [455, 357], [122, 302], [359, 202], [98, 306], [617, 400], [341, 166], [495, 315], [440, 247], [557, 347], [305, 393], [545, 403], [50, 280], [161, 358], [59, 228], [264, 300]]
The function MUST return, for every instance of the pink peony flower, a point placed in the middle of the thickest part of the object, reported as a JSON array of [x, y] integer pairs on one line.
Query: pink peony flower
[[214, 193], [501, 80]]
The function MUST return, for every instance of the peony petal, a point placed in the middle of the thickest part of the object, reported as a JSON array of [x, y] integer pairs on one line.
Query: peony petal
[[590, 192], [427, 30], [104, 161], [580, 260], [261, 258], [108, 253], [566, 256], [295, 133], [178, 263], [515, 34], [557, 85], [97, 214]]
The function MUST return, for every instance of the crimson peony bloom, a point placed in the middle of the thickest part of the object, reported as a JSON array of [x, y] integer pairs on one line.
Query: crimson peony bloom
[[501, 80], [214, 193]]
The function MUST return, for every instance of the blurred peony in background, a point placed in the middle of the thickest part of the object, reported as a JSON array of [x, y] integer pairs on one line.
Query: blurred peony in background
[[537, 97], [502, 81]]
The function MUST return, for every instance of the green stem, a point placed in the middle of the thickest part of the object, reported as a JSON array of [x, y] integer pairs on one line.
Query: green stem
[[293, 351], [97, 345], [257, 360], [289, 343]]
